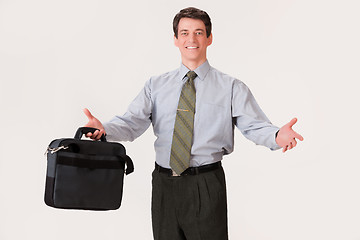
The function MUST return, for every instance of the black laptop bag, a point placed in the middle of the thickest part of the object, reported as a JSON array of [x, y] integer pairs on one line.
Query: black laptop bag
[[85, 174]]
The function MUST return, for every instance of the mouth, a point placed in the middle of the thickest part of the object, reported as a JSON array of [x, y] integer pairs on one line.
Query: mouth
[[191, 47]]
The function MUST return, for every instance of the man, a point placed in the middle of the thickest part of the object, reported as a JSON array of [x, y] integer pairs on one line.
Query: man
[[193, 111]]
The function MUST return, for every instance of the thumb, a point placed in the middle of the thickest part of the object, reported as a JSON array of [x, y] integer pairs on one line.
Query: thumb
[[292, 122], [88, 114]]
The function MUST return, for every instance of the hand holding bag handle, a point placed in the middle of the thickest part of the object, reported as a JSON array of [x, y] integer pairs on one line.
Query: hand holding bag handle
[[84, 130]]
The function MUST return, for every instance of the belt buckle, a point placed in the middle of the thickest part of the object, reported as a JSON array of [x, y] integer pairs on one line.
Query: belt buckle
[[174, 174]]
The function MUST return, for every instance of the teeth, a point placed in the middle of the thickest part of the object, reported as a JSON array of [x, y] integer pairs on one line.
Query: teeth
[[192, 47]]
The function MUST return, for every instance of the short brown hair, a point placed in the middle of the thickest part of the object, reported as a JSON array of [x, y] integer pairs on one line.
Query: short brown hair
[[193, 13]]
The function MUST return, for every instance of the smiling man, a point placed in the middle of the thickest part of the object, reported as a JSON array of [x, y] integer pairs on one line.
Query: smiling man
[[192, 40], [193, 111]]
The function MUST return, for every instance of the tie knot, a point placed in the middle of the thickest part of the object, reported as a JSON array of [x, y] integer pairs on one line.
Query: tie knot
[[191, 75]]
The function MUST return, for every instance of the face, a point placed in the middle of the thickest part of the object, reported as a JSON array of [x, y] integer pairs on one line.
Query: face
[[192, 41]]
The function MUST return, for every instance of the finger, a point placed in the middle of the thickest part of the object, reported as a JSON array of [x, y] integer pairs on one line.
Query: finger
[[99, 135], [298, 136], [102, 132], [91, 135], [292, 122], [284, 149], [88, 114], [290, 146], [293, 143], [95, 135]]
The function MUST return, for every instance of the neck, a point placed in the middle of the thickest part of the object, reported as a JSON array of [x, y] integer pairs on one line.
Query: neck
[[192, 65]]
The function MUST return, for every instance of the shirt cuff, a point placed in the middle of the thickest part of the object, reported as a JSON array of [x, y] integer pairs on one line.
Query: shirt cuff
[[275, 145]]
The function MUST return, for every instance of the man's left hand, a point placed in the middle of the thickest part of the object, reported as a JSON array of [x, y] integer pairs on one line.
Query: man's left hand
[[286, 137]]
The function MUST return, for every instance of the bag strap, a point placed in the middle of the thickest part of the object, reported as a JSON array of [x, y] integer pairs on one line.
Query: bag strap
[[99, 161], [129, 163]]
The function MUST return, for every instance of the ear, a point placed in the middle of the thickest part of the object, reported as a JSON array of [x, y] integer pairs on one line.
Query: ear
[[210, 39], [176, 41]]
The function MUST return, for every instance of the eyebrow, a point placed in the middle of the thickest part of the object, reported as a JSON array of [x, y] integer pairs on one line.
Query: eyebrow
[[196, 30]]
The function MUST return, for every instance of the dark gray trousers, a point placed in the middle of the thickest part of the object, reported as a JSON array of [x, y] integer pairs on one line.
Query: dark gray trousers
[[191, 207]]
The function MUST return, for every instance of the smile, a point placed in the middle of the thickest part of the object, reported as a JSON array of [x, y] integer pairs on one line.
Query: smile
[[192, 47]]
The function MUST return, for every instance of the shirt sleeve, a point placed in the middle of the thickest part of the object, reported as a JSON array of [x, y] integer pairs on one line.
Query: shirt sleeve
[[250, 119], [135, 121]]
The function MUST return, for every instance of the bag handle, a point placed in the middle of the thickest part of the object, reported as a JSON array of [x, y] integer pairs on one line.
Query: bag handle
[[84, 130]]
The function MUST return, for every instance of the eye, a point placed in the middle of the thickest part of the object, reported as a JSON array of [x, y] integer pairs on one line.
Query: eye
[[184, 33], [199, 33]]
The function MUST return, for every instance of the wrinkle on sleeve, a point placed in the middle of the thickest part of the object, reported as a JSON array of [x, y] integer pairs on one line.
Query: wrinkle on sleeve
[[250, 119], [136, 119]]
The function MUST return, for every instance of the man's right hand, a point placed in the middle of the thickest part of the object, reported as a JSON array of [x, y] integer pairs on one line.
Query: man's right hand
[[94, 123]]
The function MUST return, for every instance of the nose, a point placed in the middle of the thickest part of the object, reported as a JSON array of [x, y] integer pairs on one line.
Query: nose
[[191, 37]]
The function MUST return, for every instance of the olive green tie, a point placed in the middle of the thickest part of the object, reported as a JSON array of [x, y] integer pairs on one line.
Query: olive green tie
[[184, 125]]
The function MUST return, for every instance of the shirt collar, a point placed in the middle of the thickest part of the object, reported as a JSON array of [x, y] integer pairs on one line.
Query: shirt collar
[[200, 71]]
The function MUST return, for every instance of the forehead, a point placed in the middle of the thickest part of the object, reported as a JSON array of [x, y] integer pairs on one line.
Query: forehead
[[191, 24]]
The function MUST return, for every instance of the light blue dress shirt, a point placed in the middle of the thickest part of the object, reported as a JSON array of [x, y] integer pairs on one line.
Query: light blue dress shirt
[[222, 102]]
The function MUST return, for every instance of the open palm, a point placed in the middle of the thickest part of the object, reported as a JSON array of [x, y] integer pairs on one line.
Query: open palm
[[286, 137]]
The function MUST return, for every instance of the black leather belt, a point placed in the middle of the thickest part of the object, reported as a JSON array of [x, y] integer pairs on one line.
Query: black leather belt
[[190, 170]]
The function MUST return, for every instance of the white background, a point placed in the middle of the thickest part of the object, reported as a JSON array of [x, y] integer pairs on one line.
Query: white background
[[300, 58]]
